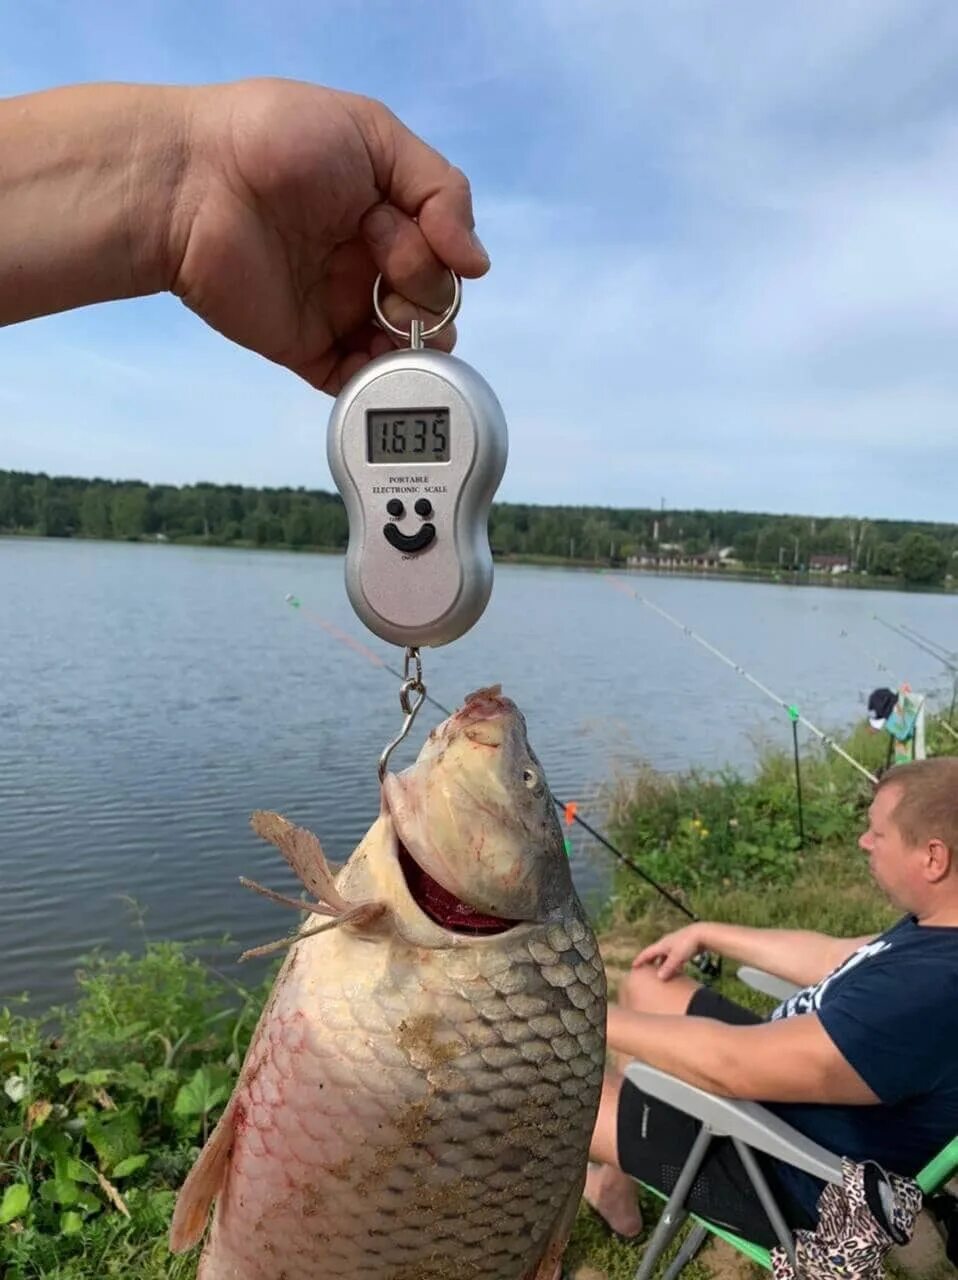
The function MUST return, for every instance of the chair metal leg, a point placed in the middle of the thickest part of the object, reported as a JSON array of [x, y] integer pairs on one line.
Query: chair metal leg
[[673, 1215], [769, 1204], [661, 1238], [690, 1247]]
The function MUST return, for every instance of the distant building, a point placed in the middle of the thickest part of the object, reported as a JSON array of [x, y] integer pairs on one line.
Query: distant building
[[672, 556], [829, 564]]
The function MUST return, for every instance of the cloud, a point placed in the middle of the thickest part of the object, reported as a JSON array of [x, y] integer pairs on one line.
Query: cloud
[[722, 244], [787, 338]]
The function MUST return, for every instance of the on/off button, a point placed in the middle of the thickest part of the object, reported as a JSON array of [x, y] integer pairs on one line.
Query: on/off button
[[423, 508]]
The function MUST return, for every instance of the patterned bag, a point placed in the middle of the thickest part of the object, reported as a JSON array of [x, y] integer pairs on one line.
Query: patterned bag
[[858, 1223]]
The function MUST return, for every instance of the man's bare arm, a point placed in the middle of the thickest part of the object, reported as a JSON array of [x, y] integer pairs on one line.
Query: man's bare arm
[[791, 1060], [87, 178], [797, 955]]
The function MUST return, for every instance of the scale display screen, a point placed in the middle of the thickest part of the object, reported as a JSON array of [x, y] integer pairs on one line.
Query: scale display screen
[[407, 435]]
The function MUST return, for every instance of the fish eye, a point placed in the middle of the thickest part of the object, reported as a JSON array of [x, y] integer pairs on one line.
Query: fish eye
[[530, 778]]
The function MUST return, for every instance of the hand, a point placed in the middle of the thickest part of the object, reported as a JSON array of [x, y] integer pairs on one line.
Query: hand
[[672, 951], [291, 198]]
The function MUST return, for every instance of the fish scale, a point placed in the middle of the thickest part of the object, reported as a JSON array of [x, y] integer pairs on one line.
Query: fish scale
[[479, 1098], [417, 1102], [488, 1107]]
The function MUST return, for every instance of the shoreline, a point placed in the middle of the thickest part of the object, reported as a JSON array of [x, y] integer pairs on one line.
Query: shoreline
[[741, 573]]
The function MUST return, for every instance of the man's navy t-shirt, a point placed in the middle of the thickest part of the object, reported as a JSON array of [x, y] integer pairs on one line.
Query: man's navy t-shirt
[[891, 1009]]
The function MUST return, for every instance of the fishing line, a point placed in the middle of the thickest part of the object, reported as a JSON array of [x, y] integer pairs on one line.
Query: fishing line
[[569, 809], [927, 639], [920, 643], [792, 711], [868, 654]]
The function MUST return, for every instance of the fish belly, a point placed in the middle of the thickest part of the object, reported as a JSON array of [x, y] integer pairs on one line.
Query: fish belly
[[413, 1114]]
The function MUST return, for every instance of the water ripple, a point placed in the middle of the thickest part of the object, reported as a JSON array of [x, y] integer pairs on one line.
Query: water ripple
[[152, 697]]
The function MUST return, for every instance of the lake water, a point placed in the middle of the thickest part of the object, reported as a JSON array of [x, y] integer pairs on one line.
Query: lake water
[[152, 696]]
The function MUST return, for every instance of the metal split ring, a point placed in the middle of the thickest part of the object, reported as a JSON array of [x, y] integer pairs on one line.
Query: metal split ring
[[447, 316]]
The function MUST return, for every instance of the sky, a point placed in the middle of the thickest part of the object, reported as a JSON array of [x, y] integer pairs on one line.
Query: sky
[[724, 242]]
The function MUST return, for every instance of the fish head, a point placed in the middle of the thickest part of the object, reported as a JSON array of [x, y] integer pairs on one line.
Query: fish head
[[477, 833]]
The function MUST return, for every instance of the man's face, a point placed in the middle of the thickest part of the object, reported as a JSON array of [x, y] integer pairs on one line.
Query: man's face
[[895, 865]]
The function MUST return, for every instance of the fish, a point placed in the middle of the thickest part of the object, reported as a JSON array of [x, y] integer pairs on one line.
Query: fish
[[418, 1097]]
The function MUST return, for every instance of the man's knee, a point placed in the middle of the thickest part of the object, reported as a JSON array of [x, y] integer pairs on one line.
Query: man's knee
[[645, 992]]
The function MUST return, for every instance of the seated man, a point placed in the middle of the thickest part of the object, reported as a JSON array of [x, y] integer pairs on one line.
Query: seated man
[[864, 1059]]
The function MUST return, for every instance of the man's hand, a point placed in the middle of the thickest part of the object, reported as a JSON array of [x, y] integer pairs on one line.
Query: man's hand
[[268, 206], [291, 198], [672, 951], [793, 954]]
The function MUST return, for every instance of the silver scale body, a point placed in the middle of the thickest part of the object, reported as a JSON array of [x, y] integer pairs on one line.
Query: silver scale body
[[419, 576]]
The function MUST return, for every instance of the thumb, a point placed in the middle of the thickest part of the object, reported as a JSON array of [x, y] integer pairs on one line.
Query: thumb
[[423, 184]]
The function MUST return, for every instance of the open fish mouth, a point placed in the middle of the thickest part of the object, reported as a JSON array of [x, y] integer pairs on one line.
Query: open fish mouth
[[443, 908]]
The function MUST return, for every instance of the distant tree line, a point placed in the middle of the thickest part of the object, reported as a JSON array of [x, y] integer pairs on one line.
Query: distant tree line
[[66, 507]]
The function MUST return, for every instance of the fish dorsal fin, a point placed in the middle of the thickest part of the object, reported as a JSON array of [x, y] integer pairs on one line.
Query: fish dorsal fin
[[204, 1182]]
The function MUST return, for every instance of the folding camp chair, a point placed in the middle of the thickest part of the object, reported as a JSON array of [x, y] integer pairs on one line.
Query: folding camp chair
[[751, 1128]]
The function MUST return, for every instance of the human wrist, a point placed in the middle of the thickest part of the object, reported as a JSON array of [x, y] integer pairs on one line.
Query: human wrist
[[160, 165], [620, 1026], [704, 935], [729, 940], [89, 175]]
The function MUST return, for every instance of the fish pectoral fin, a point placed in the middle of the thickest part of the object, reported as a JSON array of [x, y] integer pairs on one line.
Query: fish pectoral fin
[[361, 915], [204, 1182], [298, 904], [304, 853]]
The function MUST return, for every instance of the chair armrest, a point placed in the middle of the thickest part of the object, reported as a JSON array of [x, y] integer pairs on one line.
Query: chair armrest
[[767, 983], [752, 1123]]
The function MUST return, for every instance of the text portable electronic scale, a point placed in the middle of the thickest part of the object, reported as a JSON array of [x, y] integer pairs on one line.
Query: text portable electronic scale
[[417, 445]]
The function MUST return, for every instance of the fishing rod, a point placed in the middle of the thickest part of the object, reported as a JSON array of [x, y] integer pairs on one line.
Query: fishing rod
[[792, 710], [927, 639], [942, 721], [920, 643], [568, 809]]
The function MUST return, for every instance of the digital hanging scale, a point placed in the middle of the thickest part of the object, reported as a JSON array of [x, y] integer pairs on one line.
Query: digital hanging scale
[[417, 445]]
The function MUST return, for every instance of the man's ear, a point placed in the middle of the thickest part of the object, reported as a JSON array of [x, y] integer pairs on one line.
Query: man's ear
[[939, 860]]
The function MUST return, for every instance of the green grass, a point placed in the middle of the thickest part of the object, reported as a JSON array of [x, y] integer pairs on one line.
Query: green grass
[[107, 1101], [104, 1106]]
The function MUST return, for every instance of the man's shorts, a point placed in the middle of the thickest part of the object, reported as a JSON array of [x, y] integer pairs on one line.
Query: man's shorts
[[654, 1140]]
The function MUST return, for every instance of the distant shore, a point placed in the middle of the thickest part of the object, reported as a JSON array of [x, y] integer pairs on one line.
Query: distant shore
[[740, 573]]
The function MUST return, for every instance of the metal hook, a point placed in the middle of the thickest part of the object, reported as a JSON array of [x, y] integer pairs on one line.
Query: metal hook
[[410, 709]]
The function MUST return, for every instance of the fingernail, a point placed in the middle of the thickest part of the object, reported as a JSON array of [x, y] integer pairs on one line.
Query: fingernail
[[479, 247]]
